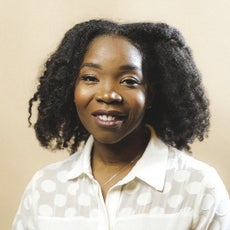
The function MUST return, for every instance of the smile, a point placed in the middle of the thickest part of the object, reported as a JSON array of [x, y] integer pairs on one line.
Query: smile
[[106, 117], [109, 119]]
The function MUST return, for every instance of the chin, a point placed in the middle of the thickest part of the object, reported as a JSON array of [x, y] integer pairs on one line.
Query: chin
[[108, 139]]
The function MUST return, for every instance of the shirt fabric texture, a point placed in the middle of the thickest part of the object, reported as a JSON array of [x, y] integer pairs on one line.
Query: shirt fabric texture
[[166, 189]]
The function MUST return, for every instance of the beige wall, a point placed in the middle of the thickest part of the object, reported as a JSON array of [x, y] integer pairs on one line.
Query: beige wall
[[31, 29]]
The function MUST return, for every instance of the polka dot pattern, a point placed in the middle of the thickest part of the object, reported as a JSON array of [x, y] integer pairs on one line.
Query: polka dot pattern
[[182, 176], [48, 186], [184, 191], [144, 198], [175, 200], [84, 200], [194, 187], [208, 202], [61, 176], [167, 188], [36, 196], [27, 202], [60, 200], [157, 210], [45, 210], [72, 189], [223, 208], [70, 212]]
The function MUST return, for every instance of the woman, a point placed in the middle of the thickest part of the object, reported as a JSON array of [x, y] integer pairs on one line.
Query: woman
[[133, 96]]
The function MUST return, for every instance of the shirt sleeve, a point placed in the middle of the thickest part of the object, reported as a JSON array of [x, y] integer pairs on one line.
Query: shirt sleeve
[[25, 216], [214, 205]]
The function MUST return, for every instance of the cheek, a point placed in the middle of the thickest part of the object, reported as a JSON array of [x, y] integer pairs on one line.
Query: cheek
[[80, 96], [139, 101]]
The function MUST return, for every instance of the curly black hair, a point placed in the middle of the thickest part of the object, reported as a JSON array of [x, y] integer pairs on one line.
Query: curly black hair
[[179, 112]]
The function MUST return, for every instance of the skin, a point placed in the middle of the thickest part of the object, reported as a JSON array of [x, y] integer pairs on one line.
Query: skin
[[111, 98]]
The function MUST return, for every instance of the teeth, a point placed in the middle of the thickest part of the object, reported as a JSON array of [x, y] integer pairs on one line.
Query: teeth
[[106, 118]]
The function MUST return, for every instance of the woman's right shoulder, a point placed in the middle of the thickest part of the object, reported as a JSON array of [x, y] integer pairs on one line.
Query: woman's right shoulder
[[56, 170]]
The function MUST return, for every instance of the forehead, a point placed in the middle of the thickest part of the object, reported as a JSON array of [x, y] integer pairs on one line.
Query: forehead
[[112, 47]]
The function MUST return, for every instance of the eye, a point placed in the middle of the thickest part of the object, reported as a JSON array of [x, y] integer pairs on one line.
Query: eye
[[130, 81], [89, 79]]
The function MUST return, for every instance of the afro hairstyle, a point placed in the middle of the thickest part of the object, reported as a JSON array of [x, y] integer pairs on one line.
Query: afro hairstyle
[[179, 112]]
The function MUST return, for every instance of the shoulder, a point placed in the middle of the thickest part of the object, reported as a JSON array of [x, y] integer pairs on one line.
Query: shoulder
[[179, 160], [55, 171], [197, 176]]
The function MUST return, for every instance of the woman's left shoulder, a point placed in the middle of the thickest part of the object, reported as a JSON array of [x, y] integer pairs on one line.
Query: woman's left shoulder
[[196, 169]]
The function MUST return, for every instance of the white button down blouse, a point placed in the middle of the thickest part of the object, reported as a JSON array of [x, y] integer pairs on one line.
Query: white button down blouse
[[166, 189]]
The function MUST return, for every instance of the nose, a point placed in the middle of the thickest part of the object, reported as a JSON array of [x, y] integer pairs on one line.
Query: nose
[[109, 97]]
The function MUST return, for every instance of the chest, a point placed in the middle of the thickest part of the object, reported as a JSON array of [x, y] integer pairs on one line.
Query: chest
[[134, 205]]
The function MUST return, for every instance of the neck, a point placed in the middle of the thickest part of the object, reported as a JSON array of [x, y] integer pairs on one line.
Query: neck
[[122, 152]]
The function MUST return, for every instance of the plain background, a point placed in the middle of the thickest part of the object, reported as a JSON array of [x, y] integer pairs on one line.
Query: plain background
[[31, 30]]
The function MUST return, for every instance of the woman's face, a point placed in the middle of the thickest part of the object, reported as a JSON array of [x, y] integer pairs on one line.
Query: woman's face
[[110, 92]]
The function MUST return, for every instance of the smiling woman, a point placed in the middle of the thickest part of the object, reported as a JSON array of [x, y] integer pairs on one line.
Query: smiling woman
[[110, 92], [133, 95]]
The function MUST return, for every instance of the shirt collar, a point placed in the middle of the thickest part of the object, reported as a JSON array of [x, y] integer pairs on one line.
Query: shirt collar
[[151, 168], [83, 164]]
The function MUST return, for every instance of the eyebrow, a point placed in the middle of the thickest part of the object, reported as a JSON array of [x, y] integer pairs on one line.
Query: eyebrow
[[129, 67], [97, 66]]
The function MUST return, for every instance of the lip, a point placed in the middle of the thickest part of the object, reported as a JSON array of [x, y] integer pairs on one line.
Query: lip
[[114, 113], [109, 118]]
